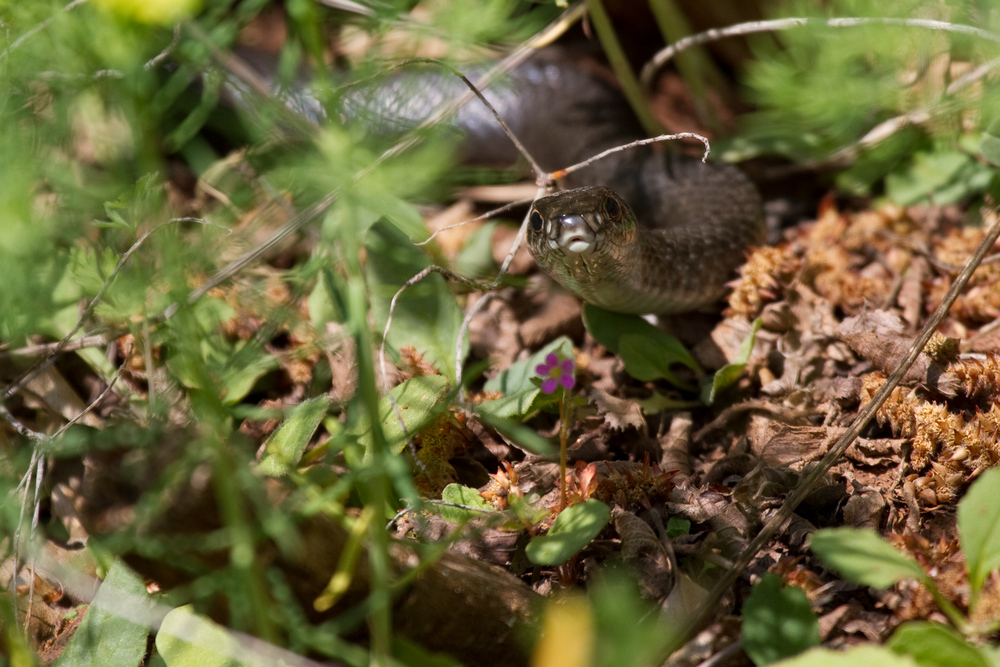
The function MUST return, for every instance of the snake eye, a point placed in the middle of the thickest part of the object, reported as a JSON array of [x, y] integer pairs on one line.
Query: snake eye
[[612, 208], [536, 221]]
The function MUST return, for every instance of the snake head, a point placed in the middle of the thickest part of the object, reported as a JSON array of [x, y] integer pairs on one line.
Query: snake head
[[584, 238], [576, 224]]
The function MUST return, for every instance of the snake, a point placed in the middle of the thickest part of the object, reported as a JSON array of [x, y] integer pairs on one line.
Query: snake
[[644, 230]]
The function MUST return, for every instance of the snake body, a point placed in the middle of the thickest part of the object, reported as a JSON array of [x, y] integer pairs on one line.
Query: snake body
[[642, 231]]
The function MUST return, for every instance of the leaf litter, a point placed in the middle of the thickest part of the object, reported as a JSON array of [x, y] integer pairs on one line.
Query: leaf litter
[[840, 299]]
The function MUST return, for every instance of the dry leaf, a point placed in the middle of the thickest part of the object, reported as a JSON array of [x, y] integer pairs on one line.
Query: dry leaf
[[618, 413]]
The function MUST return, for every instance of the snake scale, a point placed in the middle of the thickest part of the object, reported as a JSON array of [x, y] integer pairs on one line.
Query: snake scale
[[641, 231]]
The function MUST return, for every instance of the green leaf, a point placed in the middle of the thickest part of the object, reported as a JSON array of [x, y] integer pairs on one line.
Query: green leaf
[[522, 436], [419, 399], [929, 173], [462, 495], [521, 394], [401, 214], [204, 359], [730, 373], [658, 402], [677, 527], [426, 315], [413, 655], [515, 406], [188, 640], [574, 528], [989, 143], [859, 656], [239, 373], [285, 446], [979, 528], [518, 377], [647, 352], [628, 631], [475, 259], [90, 268], [778, 621], [647, 359], [934, 645], [864, 557], [109, 635], [992, 654], [325, 303]]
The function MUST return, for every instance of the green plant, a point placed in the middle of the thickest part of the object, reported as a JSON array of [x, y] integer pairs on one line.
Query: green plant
[[778, 621], [864, 557], [901, 106]]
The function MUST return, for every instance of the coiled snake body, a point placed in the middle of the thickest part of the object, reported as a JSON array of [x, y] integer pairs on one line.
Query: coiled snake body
[[642, 231]]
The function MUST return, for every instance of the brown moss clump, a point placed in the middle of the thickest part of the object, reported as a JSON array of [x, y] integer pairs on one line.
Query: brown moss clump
[[633, 485], [413, 364], [946, 446], [833, 257], [980, 301], [766, 269], [943, 559], [897, 410], [942, 349], [979, 377], [446, 436]]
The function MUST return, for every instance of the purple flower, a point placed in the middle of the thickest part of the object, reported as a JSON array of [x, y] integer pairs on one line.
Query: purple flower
[[555, 372]]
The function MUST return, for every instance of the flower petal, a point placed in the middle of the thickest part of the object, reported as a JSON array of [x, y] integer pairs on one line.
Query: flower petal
[[551, 359], [567, 381], [542, 369], [549, 385], [567, 366]]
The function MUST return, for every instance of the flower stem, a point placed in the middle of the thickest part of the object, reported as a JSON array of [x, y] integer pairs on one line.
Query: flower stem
[[565, 414]]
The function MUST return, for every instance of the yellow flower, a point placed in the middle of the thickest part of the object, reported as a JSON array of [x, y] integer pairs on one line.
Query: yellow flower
[[162, 12]]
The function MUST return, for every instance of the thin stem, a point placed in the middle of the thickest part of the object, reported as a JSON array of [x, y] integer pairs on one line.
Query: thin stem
[[696, 67], [565, 415], [662, 57], [619, 63], [563, 173]]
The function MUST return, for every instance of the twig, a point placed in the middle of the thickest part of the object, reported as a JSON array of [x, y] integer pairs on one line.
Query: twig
[[18, 426], [806, 484], [100, 397], [562, 173], [484, 216], [36, 468], [167, 50], [447, 273], [663, 56], [462, 331], [922, 250], [94, 340]]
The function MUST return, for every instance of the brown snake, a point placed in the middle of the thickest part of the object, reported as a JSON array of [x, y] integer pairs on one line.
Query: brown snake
[[642, 231]]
